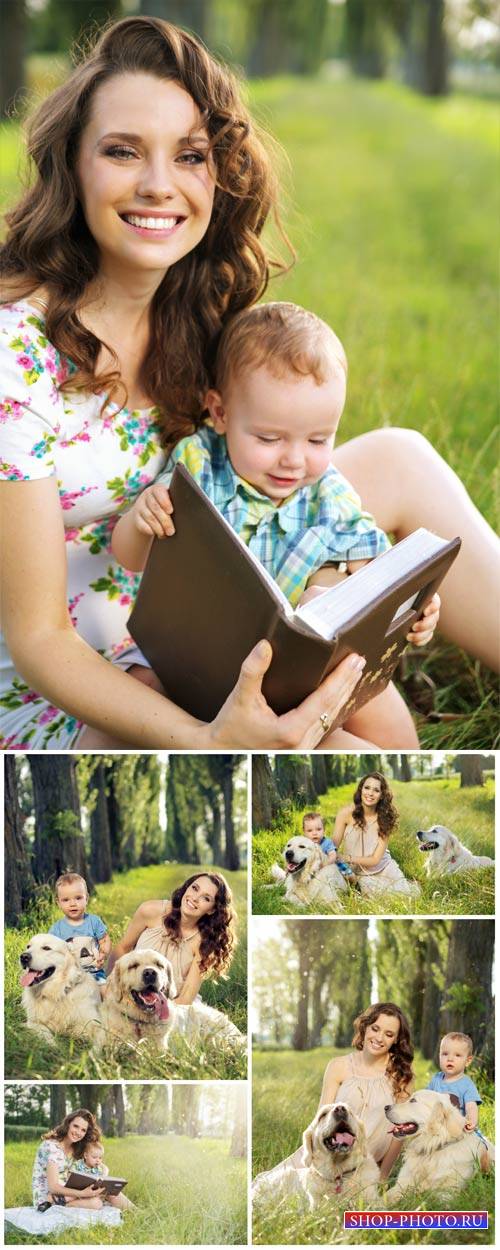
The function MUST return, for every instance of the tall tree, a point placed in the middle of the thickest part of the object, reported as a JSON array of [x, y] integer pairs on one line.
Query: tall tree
[[470, 768], [13, 49], [430, 1025], [468, 999], [266, 801], [100, 854], [59, 844], [319, 773], [57, 1104], [405, 765], [222, 769], [426, 51], [19, 880], [294, 778]]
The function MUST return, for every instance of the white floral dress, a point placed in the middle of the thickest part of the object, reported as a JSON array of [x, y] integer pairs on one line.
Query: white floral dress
[[50, 1151], [101, 461]]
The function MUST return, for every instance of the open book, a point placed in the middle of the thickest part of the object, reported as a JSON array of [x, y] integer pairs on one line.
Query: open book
[[205, 600], [112, 1184]]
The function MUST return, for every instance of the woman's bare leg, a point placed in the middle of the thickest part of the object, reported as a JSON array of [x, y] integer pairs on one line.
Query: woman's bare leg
[[385, 720], [348, 742], [405, 484]]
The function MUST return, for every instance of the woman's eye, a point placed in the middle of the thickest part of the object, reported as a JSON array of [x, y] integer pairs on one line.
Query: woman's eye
[[120, 152], [192, 158]]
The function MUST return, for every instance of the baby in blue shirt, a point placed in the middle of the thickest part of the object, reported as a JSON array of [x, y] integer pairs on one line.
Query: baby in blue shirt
[[313, 827], [455, 1055], [72, 897]]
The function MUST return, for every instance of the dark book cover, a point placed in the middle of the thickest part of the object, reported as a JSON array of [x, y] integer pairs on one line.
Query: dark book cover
[[204, 602], [112, 1184]]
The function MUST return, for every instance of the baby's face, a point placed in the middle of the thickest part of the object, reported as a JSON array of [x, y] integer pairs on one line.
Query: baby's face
[[280, 431], [72, 899], [93, 1157], [453, 1057], [314, 830]]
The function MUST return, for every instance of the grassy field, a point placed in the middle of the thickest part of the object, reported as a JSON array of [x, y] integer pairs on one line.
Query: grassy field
[[28, 1056], [285, 1090], [188, 1192], [470, 813], [391, 206]]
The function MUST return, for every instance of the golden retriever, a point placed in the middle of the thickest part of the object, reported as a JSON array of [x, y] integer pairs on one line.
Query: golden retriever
[[445, 854], [58, 994], [137, 998], [308, 876], [439, 1154], [336, 1164]]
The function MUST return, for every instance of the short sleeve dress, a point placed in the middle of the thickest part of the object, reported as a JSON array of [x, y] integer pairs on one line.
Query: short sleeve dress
[[101, 459], [49, 1151]]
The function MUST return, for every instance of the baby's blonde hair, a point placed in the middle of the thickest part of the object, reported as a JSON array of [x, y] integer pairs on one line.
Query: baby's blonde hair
[[459, 1037], [282, 336], [67, 878]]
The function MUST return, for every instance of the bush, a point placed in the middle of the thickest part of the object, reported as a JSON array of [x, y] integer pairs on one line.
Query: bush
[[25, 1132]]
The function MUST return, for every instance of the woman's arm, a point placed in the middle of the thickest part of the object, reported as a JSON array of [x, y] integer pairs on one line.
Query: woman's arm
[[56, 1186], [192, 983], [335, 1073], [342, 820], [38, 629], [147, 915], [368, 861]]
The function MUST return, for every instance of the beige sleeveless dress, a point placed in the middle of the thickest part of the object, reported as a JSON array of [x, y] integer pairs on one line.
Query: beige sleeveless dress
[[386, 875], [198, 1020], [366, 1096]]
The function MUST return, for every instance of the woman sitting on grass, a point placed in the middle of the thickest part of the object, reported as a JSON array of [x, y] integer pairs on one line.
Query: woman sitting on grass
[[194, 930], [362, 831], [375, 1073], [55, 1159]]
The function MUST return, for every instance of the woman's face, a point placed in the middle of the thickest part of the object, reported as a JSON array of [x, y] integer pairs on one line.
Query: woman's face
[[199, 899], [77, 1129], [146, 182], [371, 792], [381, 1035]]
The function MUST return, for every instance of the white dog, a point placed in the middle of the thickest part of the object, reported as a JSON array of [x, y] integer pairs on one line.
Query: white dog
[[308, 876], [445, 854], [336, 1164], [137, 998], [58, 995], [439, 1154]]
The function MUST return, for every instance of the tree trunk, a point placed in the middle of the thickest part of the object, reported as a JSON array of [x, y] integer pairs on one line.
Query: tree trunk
[[119, 1110], [470, 768], [266, 801], [115, 824], [393, 761], [59, 844], [232, 854], [467, 999], [90, 1097], [405, 768], [300, 1039], [57, 1104], [318, 1012], [107, 1124], [426, 53], [100, 860], [320, 779], [239, 1139], [19, 880], [294, 778], [13, 45], [430, 1028]]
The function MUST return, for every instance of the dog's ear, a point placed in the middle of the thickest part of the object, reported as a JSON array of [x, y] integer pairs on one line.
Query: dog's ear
[[114, 982], [307, 1144], [171, 986], [453, 1118]]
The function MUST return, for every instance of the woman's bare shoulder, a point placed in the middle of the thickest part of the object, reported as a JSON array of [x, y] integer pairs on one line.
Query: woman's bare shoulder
[[151, 911], [346, 811], [338, 1067]]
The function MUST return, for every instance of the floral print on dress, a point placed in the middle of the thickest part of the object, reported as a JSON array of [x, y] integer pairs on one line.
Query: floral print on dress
[[49, 1151], [101, 460]]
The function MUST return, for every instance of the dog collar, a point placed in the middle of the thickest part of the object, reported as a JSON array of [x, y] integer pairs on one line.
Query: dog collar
[[138, 1024], [336, 1181]]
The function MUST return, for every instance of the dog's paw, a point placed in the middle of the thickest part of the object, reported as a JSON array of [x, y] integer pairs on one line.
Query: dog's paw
[[277, 873]]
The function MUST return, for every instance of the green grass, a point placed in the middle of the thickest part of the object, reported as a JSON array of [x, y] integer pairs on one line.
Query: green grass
[[27, 1056], [469, 813], [285, 1091], [188, 1192], [392, 209]]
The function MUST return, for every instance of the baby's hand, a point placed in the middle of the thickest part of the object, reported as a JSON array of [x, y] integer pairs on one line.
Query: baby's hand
[[423, 629], [152, 512], [469, 1126], [99, 960]]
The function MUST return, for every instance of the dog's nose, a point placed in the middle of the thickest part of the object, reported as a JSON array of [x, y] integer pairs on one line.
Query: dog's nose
[[149, 976], [289, 856], [388, 1108], [25, 959], [341, 1111]]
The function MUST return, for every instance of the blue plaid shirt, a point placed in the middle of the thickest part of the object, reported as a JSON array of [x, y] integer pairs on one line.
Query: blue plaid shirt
[[316, 525]]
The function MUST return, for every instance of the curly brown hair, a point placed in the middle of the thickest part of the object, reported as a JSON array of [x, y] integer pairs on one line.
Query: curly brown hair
[[78, 1148], [399, 1069], [387, 814], [218, 938], [49, 244]]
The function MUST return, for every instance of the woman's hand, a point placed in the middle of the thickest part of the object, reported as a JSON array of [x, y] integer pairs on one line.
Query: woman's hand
[[247, 721], [422, 630], [91, 1191]]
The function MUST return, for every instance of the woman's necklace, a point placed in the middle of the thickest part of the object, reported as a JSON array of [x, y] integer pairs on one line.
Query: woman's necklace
[[373, 820]]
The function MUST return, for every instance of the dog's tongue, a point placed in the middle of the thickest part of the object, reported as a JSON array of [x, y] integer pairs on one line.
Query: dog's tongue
[[162, 1009], [28, 978], [344, 1139]]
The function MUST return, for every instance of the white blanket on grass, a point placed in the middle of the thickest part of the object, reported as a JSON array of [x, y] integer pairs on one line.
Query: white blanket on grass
[[43, 1223]]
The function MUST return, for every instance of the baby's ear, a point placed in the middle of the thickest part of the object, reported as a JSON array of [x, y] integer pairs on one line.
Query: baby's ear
[[217, 411]]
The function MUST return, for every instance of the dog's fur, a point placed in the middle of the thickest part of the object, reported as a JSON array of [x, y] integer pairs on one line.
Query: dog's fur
[[439, 1154], [336, 1164], [445, 854], [308, 878], [65, 999], [135, 1005]]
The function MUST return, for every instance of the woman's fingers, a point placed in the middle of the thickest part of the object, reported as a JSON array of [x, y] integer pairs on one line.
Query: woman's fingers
[[314, 717]]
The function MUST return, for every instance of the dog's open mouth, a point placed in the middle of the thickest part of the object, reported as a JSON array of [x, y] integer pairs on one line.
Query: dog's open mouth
[[340, 1140], [295, 867], [152, 1001], [404, 1130], [34, 977], [426, 844]]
